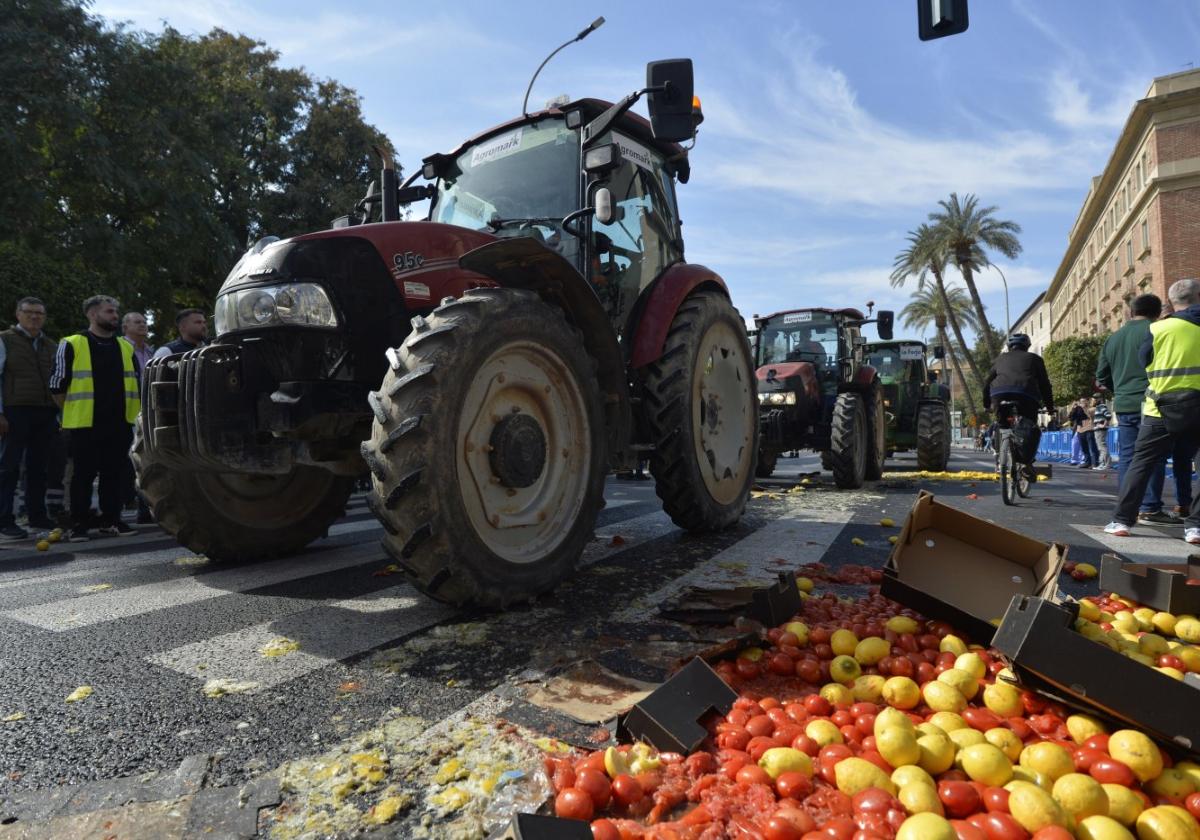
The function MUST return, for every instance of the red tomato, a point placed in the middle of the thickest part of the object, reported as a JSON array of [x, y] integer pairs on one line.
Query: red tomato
[[777, 714], [788, 638], [786, 733], [819, 635], [878, 760], [902, 667], [967, 831], [563, 776], [959, 798], [996, 799], [760, 745], [778, 828], [981, 719], [865, 724], [1045, 724], [698, 764], [1053, 832], [1099, 742], [842, 717], [737, 717], [746, 669], [864, 708], [1192, 803], [806, 745], [752, 774], [760, 725], [605, 830], [595, 761], [840, 828], [998, 826], [782, 665], [1085, 758], [1110, 771], [794, 785], [1033, 704], [1020, 728], [874, 801], [573, 804], [946, 659], [817, 705], [850, 734], [1170, 660], [735, 740], [595, 785], [626, 790], [925, 673], [908, 642], [929, 641]]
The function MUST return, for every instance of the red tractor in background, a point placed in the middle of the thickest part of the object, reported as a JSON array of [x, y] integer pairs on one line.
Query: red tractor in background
[[816, 391], [540, 328]]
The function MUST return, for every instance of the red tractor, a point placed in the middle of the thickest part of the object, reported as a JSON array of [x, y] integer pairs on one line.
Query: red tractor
[[540, 328]]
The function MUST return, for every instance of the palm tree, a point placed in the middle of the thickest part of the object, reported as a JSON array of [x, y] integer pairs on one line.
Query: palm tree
[[929, 306], [965, 230], [926, 257]]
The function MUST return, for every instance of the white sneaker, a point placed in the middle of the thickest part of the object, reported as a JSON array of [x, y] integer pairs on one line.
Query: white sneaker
[[1192, 535], [1117, 529]]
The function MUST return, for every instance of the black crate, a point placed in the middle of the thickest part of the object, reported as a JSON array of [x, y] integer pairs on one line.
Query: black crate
[[1039, 640], [1160, 586], [975, 629]]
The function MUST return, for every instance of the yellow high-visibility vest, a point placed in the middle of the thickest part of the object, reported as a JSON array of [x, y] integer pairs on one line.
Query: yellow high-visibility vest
[[80, 404], [1176, 363]]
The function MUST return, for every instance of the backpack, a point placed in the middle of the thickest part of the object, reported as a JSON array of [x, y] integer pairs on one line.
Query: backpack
[[1026, 437]]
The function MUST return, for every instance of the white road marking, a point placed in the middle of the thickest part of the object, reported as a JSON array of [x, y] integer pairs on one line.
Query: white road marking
[[632, 533], [1147, 544], [798, 537], [1094, 494], [353, 527], [327, 632], [126, 602]]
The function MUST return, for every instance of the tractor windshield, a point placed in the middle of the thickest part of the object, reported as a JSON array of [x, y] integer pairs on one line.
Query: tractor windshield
[[519, 183], [799, 337], [886, 362]]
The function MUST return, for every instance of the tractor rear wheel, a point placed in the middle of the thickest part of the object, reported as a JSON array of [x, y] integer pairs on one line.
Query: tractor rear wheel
[[240, 516], [487, 449], [933, 437], [703, 415], [848, 441], [876, 432], [826, 460], [765, 464]]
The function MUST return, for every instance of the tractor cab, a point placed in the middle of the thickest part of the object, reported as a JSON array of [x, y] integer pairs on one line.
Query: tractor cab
[[915, 404], [903, 375]]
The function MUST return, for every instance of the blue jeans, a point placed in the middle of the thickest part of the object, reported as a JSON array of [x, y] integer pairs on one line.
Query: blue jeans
[[1154, 445], [1091, 453], [1127, 433]]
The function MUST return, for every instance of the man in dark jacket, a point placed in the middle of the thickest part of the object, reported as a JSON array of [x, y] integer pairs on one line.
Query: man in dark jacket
[[28, 416], [192, 327], [1020, 377]]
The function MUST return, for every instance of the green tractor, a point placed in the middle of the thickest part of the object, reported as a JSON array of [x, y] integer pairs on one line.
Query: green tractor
[[915, 404]]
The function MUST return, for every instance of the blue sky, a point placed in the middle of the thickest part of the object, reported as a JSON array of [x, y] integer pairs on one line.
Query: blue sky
[[830, 129]]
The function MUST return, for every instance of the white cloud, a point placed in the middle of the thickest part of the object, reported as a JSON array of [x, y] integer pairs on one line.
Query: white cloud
[[1072, 107]]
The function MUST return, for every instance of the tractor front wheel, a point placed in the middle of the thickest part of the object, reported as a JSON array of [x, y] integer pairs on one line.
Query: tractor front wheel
[[876, 433], [240, 516], [848, 441], [933, 437], [703, 415], [487, 450]]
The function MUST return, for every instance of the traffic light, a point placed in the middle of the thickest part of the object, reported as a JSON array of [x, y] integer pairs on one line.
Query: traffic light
[[939, 18]]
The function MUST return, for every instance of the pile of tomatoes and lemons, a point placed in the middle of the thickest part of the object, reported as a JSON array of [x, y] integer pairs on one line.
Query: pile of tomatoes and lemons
[[859, 720], [1162, 640]]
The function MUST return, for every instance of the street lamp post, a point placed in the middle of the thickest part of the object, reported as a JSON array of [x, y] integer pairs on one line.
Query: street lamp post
[[1007, 317]]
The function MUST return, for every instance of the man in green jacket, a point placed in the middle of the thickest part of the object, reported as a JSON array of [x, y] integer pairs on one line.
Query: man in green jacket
[[1121, 371]]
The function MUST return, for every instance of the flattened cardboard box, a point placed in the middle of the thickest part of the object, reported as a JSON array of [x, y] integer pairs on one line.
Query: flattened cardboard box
[[950, 565]]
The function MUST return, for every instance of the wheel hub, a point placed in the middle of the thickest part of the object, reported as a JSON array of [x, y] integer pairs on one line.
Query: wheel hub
[[518, 450]]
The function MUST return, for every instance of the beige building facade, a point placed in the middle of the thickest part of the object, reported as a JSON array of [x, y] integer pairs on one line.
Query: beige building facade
[[1036, 322], [1139, 228]]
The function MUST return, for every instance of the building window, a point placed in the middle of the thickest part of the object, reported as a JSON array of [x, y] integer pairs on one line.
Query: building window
[[1129, 251], [1145, 236], [1141, 175], [1146, 162], [1040, 314]]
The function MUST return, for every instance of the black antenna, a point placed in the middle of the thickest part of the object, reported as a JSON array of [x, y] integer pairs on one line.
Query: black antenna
[[596, 24]]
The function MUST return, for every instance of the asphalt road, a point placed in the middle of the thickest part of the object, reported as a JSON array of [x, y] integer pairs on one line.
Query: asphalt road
[[147, 627]]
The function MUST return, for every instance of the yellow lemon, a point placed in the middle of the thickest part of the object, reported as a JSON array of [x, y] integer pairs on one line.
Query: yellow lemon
[[898, 746], [1101, 827], [927, 728], [1002, 698], [911, 774], [779, 760], [837, 694], [1166, 823], [753, 654], [948, 721], [1192, 769], [901, 692], [843, 642], [902, 624], [868, 688], [854, 775], [1024, 774], [804, 584], [1123, 804], [1034, 808], [800, 629], [891, 718], [920, 798], [972, 663], [1088, 610], [1190, 657], [943, 697], [43, 545], [1137, 752], [844, 669], [1164, 622], [1080, 795], [937, 753], [823, 732], [964, 738], [887, 522], [1152, 644], [1083, 727], [952, 644], [1173, 673], [926, 826], [987, 764], [1047, 758], [1172, 782], [1188, 629], [966, 684], [870, 650], [1006, 740]]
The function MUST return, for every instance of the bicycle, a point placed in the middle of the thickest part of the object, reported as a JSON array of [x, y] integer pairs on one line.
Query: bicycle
[[1016, 477]]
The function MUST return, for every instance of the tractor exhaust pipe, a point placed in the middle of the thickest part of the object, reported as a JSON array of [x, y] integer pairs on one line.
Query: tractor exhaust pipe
[[388, 185]]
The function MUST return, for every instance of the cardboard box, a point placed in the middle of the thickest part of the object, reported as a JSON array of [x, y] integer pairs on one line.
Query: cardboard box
[[950, 565], [1161, 586], [1040, 642]]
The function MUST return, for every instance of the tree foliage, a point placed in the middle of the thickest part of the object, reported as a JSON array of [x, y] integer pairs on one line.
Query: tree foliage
[[140, 165], [1071, 363]]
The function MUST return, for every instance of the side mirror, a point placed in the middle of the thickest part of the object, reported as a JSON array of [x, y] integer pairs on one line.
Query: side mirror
[[605, 214], [600, 160], [884, 322], [939, 352], [670, 100], [939, 18]]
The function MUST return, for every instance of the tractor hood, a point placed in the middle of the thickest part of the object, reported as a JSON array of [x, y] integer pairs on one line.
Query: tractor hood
[[419, 257], [800, 377]]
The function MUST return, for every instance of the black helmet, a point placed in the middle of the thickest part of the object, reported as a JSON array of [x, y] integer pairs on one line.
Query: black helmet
[[1018, 341]]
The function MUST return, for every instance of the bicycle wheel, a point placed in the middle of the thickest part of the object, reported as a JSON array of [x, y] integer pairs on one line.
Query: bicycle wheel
[[1008, 473], [1024, 485]]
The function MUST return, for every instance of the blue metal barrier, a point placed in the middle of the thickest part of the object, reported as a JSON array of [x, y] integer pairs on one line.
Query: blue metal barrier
[[1056, 446]]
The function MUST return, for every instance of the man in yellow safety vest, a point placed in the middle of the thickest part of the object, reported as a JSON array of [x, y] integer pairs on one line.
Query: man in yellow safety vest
[[1171, 410], [95, 381]]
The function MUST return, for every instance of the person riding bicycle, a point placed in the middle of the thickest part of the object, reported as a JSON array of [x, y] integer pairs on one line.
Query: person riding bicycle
[[1019, 377]]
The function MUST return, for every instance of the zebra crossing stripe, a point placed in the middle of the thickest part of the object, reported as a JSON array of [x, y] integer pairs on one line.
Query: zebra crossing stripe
[[1147, 544], [126, 602], [328, 632]]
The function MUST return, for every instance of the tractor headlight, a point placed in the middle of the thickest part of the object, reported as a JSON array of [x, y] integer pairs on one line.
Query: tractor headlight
[[296, 304], [777, 398]]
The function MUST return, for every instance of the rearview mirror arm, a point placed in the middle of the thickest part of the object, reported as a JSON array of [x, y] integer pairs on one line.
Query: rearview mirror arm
[[596, 128]]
